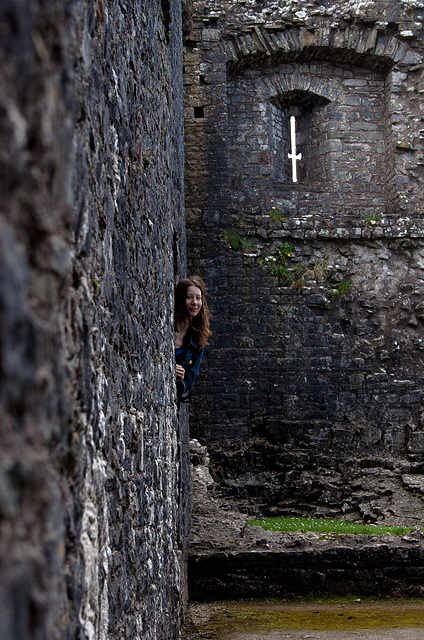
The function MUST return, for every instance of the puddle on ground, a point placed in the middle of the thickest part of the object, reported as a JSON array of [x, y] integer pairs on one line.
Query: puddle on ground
[[298, 620]]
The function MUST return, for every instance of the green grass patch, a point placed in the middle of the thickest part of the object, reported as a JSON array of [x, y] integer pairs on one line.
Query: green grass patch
[[324, 525]]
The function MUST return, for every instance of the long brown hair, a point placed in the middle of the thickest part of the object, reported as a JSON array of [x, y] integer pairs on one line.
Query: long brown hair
[[200, 323]]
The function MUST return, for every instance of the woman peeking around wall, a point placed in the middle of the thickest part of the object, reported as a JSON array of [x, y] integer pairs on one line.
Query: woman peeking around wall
[[191, 321]]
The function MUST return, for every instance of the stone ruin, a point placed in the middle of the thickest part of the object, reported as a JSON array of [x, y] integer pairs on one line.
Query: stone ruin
[[311, 397], [304, 202], [304, 207], [94, 471]]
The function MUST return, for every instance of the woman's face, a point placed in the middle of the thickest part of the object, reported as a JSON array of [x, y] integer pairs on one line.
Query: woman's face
[[193, 301]]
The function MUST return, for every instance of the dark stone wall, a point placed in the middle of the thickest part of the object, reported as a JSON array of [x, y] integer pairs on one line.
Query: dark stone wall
[[93, 472], [383, 570], [312, 387]]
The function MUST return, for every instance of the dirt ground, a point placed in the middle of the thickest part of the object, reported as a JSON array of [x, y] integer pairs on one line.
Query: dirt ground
[[355, 620], [361, 634]]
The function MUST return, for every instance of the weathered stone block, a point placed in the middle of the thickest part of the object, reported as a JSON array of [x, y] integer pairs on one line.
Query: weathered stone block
[[92, 234]]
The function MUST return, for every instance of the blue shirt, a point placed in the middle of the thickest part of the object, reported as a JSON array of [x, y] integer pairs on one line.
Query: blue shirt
[[189, 356]]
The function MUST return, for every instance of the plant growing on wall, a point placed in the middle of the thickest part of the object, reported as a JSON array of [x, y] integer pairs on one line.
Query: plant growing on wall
[[280, 261], [373, 218], [342, 288], [235, 240], [275, 214], [278, 264]]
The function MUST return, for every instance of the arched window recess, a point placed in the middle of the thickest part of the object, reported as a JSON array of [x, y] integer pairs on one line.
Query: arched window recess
[[297, 135]]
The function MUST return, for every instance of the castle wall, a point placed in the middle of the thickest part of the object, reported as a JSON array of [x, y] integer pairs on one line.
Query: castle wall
[[311, 392], [93, 461]]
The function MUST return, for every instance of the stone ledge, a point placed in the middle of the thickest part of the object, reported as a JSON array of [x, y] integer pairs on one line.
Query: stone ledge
[[230, 559], [301, 565]]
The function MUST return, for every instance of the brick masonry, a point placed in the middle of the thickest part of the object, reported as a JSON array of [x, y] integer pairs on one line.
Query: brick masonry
[[93, 465], [315, 375]]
